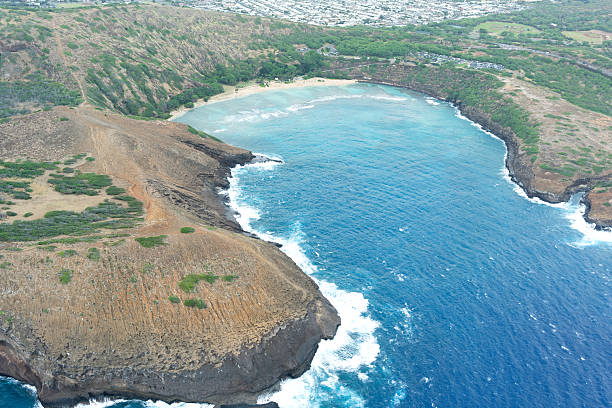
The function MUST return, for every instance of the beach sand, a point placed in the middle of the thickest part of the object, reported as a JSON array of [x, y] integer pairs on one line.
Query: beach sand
[[232, 92]]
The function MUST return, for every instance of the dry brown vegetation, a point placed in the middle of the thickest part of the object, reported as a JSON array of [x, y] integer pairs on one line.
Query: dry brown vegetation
[[576, 142]]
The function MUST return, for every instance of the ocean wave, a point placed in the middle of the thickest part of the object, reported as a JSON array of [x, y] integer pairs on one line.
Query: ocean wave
[[352, 350], [388, 98], [254, 115], [109, 403], [590, 235], [334, 98], [300, 106], [432, 101]]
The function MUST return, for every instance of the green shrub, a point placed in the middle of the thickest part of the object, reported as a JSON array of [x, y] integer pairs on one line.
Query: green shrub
[[80, 183], [28, 214], [67, 253], [188, 282], [64, 119], [93, 254], [174, 299], [150, 242], [229, 278], [113, 190], [11, 213], [199, 303], [187, 230], [65, 276]]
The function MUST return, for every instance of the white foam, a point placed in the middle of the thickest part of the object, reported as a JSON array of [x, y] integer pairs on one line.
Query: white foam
[[352, 350], [300, 106], [432, 101], [590, 235], [334, 98], [102, 403], [107, 403], [388, 98], [254, 115]]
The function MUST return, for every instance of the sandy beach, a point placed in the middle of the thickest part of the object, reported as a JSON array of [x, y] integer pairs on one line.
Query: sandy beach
[[232, 92]]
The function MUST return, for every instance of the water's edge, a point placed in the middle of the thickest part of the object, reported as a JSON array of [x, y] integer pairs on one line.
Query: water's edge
[[517, 172]]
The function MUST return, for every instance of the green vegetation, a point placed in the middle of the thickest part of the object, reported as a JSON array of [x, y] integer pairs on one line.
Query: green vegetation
[[66, 253], [93, 254], [567, 171], [113, 190], [229, 278], [107, 215], [15, 96], [65, 276], [19, 169], [199, 303], [174, 299], [81, 183], [28, 214], [187, 230], [188, 283], [151, 242]]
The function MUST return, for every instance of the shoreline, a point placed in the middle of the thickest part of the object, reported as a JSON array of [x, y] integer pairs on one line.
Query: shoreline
[[516, 171], [252, 88]]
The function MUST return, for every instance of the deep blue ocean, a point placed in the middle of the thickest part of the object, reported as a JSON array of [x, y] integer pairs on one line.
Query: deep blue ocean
[[453, 288]]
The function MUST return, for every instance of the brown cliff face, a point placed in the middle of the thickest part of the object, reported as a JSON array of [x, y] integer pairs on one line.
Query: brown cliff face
[[112, 330]]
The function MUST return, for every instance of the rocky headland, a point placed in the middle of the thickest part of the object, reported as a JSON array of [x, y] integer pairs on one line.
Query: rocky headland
[[122, 324]]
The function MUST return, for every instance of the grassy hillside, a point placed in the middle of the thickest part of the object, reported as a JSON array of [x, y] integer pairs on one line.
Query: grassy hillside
[[132, 59], [149, 60]]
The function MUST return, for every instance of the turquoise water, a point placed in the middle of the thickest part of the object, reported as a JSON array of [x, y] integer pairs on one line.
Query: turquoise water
[[454, 290]]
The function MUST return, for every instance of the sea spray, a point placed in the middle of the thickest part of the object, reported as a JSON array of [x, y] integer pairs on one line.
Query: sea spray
[[351, 351]]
